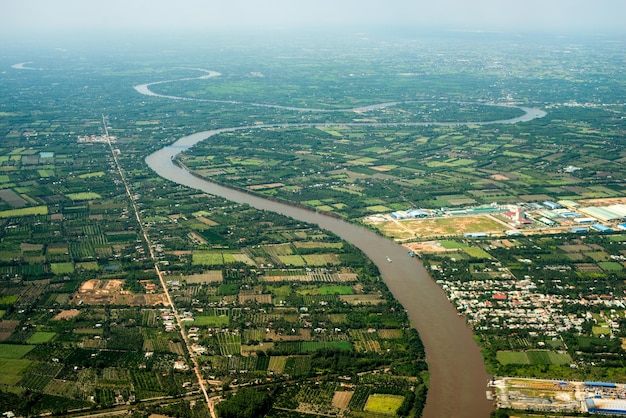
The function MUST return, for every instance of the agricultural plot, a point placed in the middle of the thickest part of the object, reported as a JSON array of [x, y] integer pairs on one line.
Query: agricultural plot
[[209, 321], [41, 337], [277, 364], [12, 369], [383, 404], [533, 357], [229, 344], [84, 196]]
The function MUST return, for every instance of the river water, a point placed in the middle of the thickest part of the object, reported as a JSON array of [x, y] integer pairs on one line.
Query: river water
[[458, 377]]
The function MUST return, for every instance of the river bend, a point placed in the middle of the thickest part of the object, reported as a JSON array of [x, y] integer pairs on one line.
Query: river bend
[[458, 377]]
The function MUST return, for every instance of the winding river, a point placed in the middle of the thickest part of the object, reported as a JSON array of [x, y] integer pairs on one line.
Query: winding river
[[458, 375]]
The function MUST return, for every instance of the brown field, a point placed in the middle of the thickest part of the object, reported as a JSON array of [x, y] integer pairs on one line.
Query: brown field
[[587, 267], [197, 238], [67, 314], [265, 186], [106, 292], [603, 202], [390, 334], [264, 298], [302, 335], [427, 247], [575, 248], [207, 221], [24, 246], [7, 327], [438, 227], [210, 276], [341, 399], [362, 299]]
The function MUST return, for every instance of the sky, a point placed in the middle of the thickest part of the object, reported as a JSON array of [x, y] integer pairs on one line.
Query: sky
[[50, 16]]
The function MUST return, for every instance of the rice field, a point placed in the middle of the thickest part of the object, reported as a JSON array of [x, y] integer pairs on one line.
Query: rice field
[[383, 403]]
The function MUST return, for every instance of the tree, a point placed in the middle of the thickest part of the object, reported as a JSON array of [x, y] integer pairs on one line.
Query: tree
[[246, 403]]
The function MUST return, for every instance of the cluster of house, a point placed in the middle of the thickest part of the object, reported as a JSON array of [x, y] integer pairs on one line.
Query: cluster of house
[[511, 303]]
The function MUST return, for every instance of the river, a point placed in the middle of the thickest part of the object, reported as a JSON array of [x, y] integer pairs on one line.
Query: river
[[458, 378]]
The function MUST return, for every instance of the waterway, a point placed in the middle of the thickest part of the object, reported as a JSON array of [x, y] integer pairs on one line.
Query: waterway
[[458, 378]]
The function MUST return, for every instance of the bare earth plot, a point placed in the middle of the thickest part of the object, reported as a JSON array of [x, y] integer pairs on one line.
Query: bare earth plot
[[438, 227]]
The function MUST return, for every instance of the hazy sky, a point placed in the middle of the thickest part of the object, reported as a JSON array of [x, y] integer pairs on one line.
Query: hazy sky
[[515, 15]]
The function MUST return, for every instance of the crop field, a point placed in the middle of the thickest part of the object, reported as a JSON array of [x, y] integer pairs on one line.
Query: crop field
[[12, 369], [533, 357], [335, 290], [314, 244], [209, 276], [312, 346], [341, 398], [390, 334], [209, 321], [62, 268], [41, 337], [277, 364], [8, 300], [14, 351], [298, 366], [321, 259], [15, 213], [229, 344], [207, 258], [84, 196], [383, 404], [292, 260], [366, 299], [277, 250]]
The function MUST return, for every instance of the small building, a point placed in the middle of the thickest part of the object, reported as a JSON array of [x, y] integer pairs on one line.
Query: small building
[[552, 205], [580, 230], [585, 221], [401, 214], [602, 228], [547, 221], [417, 213], [476, 235]]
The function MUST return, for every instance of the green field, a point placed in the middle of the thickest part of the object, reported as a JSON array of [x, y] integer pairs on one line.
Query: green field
[[88, 265], [610, 266], [383, 404], [84, 196], [292, 260], [12, 370], [312, 346], [533, 357], [14, 351], [451, 245], [62, 268], [8, 300], [207, 259], [477, 253], [336, 290], [41, 337], [209, 321], [14, 213], [91, 175]]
